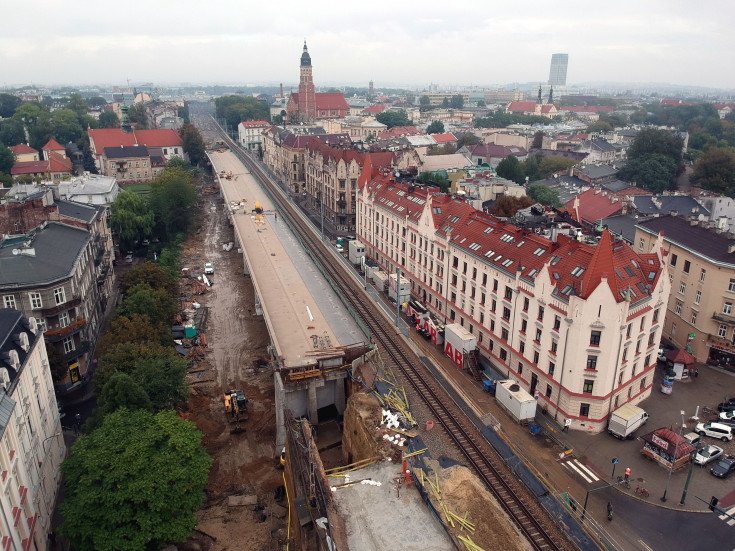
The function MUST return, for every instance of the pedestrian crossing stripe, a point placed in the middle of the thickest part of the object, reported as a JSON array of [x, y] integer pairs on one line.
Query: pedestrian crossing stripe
[[730, 521], [581, 470]]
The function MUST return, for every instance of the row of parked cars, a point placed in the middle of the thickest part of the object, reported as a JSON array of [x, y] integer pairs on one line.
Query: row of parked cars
[[721, 429]]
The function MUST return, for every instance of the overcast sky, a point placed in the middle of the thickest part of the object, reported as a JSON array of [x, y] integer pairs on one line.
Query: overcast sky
[[481, 42]]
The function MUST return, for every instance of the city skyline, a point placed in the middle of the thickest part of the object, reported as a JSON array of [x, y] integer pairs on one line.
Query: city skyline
[[471, 43]]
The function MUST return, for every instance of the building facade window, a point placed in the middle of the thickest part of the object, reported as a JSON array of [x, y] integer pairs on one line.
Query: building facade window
[[60, 295], [592, 362], [63, 319], [731, 287], [677, 308], [722, 331], [552, 366], [727, 308], [588, 386], [698, 297], [694, 318], [9, 301], [506, 313], [538, 335], [535, 357], [548, 391], [36, 302], [524, 326], [584, 410], [595, 338], [557, 323], [541, 313], [702, 275], [687, 265], [682, 288], [68, 345]]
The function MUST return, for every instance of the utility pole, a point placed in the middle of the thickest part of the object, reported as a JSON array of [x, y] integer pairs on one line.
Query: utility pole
[[673, 460]]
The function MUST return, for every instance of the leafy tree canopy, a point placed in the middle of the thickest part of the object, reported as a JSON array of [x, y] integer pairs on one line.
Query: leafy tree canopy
[[467, 139], [541, 193], [66, 125], [8, 104], [121, 391], [550, 165], [122, 357], [132, 218], [137, 114], [500, 119], [393, 118], [108, 119], [436, 179], [134, 328], [171, 198], [600, 126], [77, 104], [654, 172], [96, 101], [193, 143], [11, 132], [235, 109], [511, 169], [36, 120], [436, 127], [158, 305], [654, 140], [59, 369], [152, 274], [715, 171], [457, 101], [538, 140], [506, 206], [134, 483], [7, 159]]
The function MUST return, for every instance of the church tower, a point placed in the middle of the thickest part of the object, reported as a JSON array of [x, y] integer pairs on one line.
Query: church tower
[[307, 96]]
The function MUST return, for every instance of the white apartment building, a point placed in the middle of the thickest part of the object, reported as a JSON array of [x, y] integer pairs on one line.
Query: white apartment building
[[31, 444], [250, 133], [576, 325]]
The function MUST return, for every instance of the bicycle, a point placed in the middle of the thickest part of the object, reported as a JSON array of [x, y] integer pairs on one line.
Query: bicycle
[[641, 490], [624, 482]]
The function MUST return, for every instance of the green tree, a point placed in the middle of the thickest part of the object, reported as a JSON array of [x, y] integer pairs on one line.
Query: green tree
[[393, 118], [424, 104], [715, 171], [6, 180], [436, 127], [132, 218], [730, 117], [97, 101], [8, 104], [121, 391], [152, 274], [193, 143], [457, 101], [12, 132], [541, 193], [66, 125], [235, 109], [530, 168], [59, 369], [158, 305], [108, 119], [467, 139], [137, 115], [511, 169], [654, 172], [183, 112], [122, 358], [134, 328], [172, 196], [162, 377], [36, 122], [7, 159], [435, 179], [599, 126], [538, 140], [501, 119], [550, 165], [481, 103], [77, 104], [506, 205], [134, 483], [653, 140], [88, 161]]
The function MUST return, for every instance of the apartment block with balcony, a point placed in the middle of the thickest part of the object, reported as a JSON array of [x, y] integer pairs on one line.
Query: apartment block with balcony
[[576, 325], [700, 314], [31, 442], [59, 275]]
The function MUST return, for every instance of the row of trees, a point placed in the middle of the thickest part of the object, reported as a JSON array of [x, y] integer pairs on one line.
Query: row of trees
[[136, 478], [535, 167], [235, 109]]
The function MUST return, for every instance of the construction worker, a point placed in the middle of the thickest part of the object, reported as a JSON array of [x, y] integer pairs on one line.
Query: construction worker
[[627, 474]]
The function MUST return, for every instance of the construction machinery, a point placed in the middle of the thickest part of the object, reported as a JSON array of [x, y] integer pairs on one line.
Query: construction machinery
[[236, 409]]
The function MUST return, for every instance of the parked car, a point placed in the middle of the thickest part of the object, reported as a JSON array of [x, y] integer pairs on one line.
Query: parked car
[[661, 355], [693, 438], [209, 268], [707, 454], [726, 406], [727, 415], [715, 430], [129, 259], [724, 467], [339, 248]]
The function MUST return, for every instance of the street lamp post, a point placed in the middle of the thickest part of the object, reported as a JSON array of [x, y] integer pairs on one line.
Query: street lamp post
[[689, 476], [673, 460]]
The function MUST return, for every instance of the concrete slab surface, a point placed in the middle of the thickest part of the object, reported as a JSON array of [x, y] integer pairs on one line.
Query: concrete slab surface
[[377, 519]]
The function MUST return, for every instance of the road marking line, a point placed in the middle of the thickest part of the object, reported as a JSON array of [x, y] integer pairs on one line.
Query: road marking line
[[726, 518], [585, 469], [571, 464], [644, 545]]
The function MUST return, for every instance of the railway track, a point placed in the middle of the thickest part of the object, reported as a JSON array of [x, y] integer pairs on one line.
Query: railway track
[[492, 472]]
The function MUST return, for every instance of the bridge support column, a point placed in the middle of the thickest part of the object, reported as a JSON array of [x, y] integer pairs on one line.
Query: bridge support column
[[312, 404]]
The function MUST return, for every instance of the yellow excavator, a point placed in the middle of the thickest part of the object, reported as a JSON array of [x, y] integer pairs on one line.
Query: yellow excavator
[[236, 409]]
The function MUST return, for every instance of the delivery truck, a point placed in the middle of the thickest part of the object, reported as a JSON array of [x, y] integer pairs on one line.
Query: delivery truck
[[517, 402], [625, 420]]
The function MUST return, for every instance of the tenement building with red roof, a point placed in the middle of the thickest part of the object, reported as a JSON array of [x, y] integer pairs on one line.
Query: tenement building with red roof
[[306, 105], [576, 325]]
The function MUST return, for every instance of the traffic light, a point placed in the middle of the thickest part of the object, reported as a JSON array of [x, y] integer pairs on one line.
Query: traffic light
[[713, 504]]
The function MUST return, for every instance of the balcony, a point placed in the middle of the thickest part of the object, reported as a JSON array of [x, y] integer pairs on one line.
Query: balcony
[[726, 318], [77, 352], [75, 301], [56, 334]]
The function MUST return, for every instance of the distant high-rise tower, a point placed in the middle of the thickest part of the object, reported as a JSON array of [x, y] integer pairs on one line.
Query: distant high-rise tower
[[370, 89], [558, 71], [307, 96]]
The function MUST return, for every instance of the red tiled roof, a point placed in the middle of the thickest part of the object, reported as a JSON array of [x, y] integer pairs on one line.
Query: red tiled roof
[[29, 167], [58, 163], [115, 137], [522, 106], [53, 145], [331, 100], [680, 356], [377, 108], [674, 102], [255, 124], [594, 205], [22, 149], [398, 131], [447, 137], [573, 267]]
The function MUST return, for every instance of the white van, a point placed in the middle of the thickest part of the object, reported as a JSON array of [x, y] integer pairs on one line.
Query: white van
[[715, 430]]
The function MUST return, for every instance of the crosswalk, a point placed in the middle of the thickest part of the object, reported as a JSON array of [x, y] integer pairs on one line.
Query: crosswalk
[[576, 466], [729, 519]]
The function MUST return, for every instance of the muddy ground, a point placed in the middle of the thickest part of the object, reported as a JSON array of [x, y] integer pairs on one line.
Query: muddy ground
[[246, 463]]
